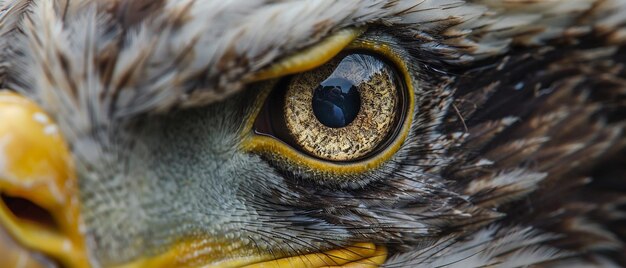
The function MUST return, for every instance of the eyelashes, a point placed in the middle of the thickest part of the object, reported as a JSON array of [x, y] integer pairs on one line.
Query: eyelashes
[[349, 109]]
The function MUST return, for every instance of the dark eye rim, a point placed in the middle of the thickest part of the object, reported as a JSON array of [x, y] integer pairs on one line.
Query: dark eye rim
[[270, 122]]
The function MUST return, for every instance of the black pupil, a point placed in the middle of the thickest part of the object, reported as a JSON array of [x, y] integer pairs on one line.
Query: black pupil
[[336, 102]]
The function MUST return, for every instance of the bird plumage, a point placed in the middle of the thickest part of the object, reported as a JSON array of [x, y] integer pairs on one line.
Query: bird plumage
[[516, 155]]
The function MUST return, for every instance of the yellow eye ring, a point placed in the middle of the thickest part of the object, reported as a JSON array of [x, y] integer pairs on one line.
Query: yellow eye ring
[[282, 152]]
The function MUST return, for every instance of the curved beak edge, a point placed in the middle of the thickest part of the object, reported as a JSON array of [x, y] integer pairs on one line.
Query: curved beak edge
[[39, 204]]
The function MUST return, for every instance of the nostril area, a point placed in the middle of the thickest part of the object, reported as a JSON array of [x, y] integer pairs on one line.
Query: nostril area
[[24, 209]]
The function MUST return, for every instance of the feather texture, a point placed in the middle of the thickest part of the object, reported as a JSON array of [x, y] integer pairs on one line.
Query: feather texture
[[515, 158]]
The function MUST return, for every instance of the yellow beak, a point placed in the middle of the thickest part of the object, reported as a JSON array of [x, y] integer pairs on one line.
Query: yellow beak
[[40, 209]]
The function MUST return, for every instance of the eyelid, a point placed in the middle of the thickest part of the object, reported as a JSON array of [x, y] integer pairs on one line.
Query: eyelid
[[311, 57]]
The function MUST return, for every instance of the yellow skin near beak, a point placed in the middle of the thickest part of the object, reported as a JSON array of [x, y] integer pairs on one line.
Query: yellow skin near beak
[[35, 165]]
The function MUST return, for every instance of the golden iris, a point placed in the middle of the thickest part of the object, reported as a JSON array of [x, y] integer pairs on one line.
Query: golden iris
[[343, 110]]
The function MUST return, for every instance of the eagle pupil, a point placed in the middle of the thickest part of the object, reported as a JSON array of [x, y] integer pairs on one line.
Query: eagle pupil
[[336, 102]]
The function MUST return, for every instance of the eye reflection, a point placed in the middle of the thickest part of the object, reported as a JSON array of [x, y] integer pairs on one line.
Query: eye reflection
[[336, 102]]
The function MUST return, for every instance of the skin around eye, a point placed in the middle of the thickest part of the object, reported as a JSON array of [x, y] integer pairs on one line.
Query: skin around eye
[[344, 109]]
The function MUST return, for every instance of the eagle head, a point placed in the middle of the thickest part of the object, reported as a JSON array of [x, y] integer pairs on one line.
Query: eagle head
[[258, 133]]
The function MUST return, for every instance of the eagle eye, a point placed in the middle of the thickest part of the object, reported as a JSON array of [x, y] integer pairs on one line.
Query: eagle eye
[[348, 110], [343, 110]]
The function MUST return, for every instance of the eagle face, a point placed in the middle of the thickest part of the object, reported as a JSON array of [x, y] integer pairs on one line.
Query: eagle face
[[312, 133]]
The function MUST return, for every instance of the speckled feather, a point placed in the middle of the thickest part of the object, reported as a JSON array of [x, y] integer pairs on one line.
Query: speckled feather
[[516, 156]]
